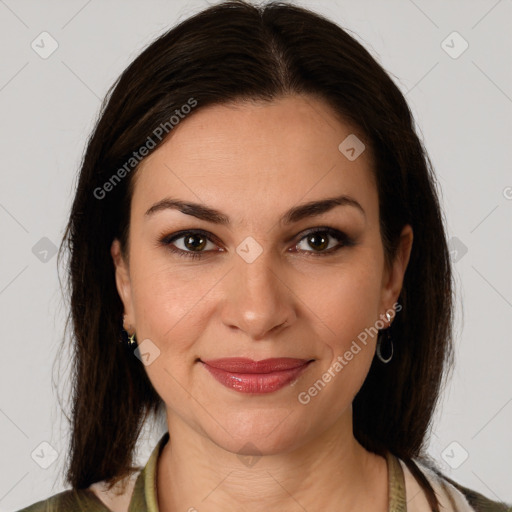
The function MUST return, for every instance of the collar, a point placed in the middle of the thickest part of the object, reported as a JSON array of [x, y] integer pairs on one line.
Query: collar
[[144, 497]]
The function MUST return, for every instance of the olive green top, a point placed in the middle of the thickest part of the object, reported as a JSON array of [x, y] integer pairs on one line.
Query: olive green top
[[144, 497]]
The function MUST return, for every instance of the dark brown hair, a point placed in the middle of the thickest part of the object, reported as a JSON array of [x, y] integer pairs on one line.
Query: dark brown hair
[[236, 51]]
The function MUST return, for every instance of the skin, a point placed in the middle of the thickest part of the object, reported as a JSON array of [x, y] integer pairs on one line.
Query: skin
[[254, 161]]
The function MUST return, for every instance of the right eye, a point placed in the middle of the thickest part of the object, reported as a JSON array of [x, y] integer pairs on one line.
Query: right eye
[[193, 242]]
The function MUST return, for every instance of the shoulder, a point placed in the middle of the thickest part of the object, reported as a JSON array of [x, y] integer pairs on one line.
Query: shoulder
[[117, 498], [72, 500], [478, 501], [96, 498], [452, 496]]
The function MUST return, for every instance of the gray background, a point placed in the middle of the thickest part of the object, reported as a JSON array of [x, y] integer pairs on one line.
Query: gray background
[[463, 110]]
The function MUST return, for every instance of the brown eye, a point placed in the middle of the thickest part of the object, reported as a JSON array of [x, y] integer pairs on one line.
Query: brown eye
[[189, 244], [194, 242], [320, 241]]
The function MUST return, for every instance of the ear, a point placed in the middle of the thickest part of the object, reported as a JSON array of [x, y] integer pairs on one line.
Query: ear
[[393, 277], [123, 284]]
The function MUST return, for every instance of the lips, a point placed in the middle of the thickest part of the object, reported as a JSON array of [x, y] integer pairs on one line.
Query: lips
[[243, 365], [248, 376]]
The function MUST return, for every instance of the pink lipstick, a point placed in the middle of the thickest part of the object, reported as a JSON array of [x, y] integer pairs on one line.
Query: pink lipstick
[[248, 376]]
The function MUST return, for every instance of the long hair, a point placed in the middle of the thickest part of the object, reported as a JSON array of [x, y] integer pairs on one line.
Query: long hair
[[238, 51]]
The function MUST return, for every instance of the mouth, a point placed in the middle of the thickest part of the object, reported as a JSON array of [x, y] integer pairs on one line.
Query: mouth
[[248, 376]]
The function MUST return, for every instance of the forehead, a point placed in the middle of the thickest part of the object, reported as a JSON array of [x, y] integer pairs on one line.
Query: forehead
[[257, 156]]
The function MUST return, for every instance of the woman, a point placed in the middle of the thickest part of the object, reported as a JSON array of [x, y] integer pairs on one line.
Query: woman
[[258, 253]]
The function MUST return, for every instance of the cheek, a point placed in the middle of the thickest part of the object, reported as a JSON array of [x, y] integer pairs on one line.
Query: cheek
[[345, 301], [168, 306], [347, 315], [168, 296], [347, 308]]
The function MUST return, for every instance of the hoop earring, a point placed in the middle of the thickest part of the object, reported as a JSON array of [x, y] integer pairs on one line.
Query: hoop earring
[[388, 340]]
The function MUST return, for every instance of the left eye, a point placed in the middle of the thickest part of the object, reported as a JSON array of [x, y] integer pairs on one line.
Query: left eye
[[319, 240]]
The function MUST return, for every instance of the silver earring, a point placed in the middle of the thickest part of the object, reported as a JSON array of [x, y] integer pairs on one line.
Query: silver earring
[[388, 341]]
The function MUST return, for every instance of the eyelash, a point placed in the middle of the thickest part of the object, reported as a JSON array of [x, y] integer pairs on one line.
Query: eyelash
[[166, 240]]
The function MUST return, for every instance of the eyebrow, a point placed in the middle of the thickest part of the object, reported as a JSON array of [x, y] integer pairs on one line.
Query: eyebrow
[[295, 214]]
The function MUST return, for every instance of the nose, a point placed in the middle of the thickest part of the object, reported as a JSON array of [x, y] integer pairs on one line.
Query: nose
[[257, 300]]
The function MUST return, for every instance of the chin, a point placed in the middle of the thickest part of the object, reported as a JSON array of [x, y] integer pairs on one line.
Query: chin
[[260, 432]]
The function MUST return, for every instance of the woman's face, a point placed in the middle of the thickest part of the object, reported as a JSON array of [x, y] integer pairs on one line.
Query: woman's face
[[263, 285]]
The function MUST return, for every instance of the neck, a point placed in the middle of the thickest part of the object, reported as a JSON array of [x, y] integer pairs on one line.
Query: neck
[[331, 472]]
